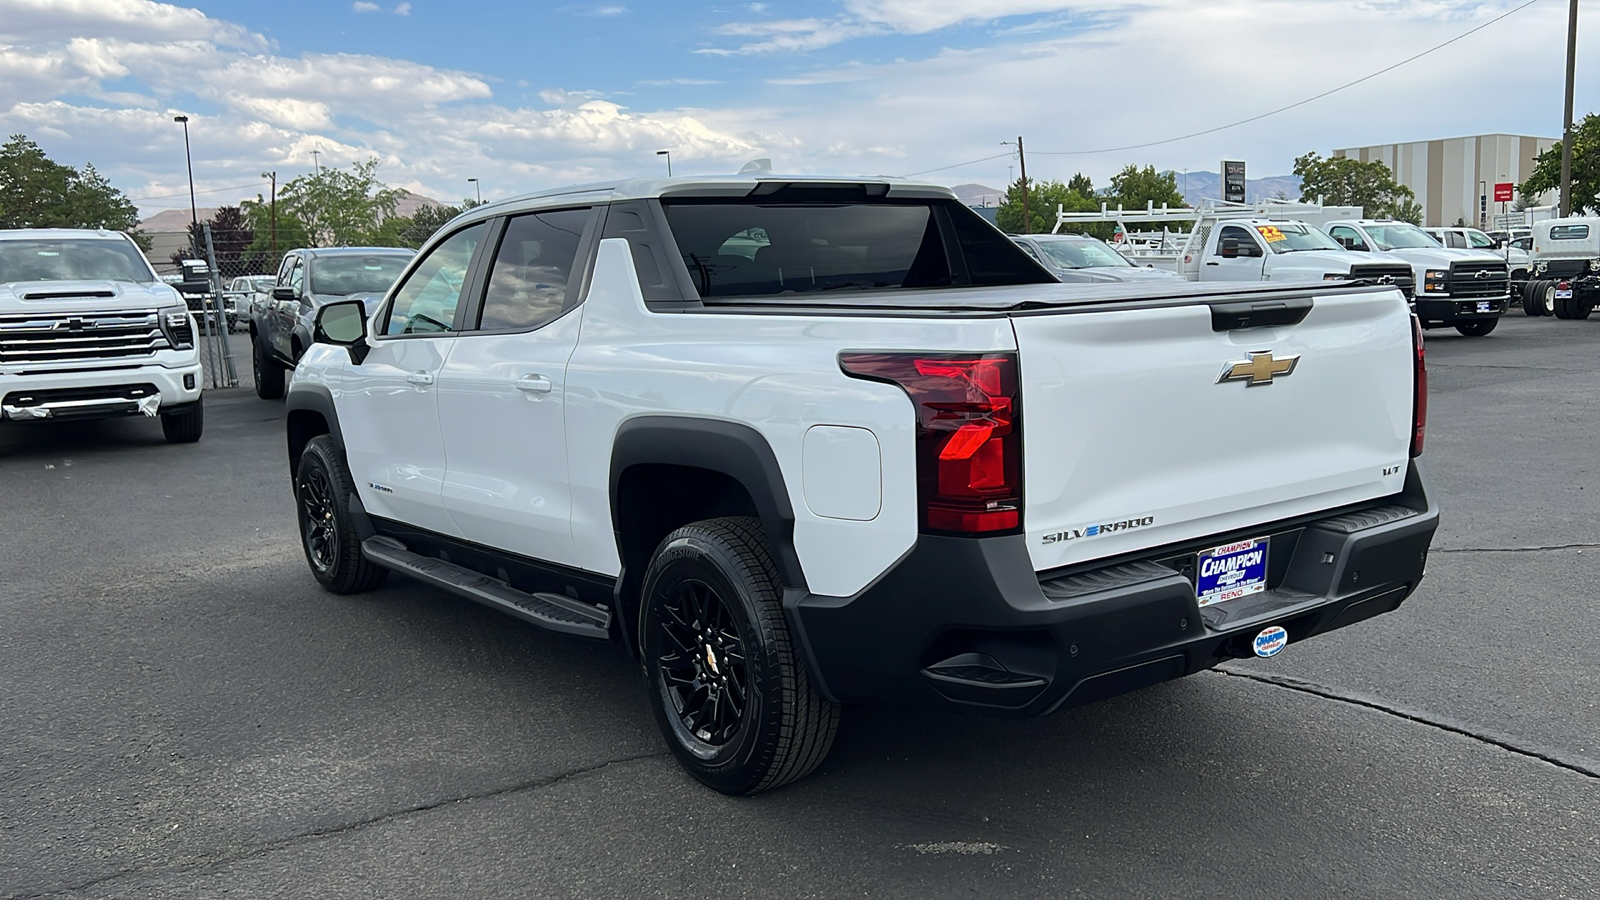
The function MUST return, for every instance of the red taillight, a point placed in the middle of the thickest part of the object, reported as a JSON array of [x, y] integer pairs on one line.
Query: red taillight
[[1419, 395], [969, 437]]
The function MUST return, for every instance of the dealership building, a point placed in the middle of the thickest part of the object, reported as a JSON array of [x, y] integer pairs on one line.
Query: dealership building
[[1454, 178]]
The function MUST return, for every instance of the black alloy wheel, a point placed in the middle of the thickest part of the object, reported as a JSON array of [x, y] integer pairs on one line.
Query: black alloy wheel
[[322, 492], [730, 691], [702, 660]]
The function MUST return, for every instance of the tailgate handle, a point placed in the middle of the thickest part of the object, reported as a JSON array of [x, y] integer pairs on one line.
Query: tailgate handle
[[1259, 313]]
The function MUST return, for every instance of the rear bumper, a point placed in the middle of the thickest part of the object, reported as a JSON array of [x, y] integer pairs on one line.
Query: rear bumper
[[1450, 309], [966, 624], [100, 393]]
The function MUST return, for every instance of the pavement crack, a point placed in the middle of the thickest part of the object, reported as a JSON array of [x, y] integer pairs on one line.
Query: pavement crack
[[1546, 549], [1585, 767], [259, 850]]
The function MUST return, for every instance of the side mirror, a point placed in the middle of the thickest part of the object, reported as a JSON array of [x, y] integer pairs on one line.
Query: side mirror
[[343, 324], [283, 293], [1229, 248]]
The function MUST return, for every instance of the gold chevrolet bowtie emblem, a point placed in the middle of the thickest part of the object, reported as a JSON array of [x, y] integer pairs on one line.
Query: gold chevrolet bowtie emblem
[[1260, 368]]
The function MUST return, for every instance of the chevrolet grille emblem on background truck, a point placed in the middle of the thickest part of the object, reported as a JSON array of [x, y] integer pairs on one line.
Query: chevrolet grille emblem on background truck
[[1260, 368]]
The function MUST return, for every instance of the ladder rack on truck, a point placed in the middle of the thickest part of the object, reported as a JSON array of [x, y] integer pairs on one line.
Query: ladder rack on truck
[[1164, 248]]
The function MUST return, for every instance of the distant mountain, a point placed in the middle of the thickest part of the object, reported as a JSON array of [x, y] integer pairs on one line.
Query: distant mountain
[[175, 220], [1199, 186], [409, 203]]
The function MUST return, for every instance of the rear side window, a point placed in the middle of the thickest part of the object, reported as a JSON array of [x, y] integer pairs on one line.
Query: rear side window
[[1569, 233], [760, 247], [532, 270]]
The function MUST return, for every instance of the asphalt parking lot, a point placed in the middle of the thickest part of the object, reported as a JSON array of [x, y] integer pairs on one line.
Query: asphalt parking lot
[[186, 714]]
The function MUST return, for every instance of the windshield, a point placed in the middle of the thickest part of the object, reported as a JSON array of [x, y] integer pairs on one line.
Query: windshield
[[1086, 253], [1287, 237], [1400, 236], [72, 259], [341, 276], [772, 245]]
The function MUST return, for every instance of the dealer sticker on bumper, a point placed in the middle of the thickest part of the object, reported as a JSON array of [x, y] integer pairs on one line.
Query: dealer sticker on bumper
[[1563, 294], [1485, 306], [1231, 571]]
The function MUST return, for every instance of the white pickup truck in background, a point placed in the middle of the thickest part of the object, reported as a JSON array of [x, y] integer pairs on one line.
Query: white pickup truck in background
[[1269, 241], [801, 442], [1468, 290], [87, 330]]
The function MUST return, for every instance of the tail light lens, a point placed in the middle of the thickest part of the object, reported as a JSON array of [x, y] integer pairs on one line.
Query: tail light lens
[[969, 435], [1419, 396]]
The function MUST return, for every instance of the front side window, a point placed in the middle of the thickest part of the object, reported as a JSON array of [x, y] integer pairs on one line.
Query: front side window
[[426, 302], [1349, 237], [73, 259], [1480, 241], [532, 270], [1247, 244], [297, 274], [1569, 233]]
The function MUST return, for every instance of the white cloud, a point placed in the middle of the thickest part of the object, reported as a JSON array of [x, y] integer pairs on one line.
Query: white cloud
[[362, 6], [55, 20], [403, 9]]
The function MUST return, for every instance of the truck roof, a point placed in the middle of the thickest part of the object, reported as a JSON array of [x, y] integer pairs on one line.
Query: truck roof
[[712, 185]]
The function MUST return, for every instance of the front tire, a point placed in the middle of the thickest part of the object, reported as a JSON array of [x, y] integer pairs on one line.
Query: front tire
[[184, 427], [322, 492], [265, 370], [1478, 328], [1533, 298], [730, 691]]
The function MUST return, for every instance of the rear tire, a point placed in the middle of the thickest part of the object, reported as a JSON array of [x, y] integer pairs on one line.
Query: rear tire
[[729, 687], [1478, 328], [184, 427], [266, 371], [322, 492]]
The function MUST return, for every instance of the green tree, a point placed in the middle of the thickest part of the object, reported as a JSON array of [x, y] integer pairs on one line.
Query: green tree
[[1134, 188], [38, 192], [413, 230], [1080, 184], [1585, 168], [1343, 181], [1043, 198], [338, 207]]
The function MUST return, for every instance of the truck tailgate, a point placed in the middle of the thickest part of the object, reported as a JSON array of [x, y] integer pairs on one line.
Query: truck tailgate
[[1131, 442]]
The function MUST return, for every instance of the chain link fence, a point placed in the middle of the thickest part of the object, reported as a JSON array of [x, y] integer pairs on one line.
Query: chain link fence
[[209, 281]]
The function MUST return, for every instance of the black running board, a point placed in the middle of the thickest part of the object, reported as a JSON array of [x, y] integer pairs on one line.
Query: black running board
[[549, 611]]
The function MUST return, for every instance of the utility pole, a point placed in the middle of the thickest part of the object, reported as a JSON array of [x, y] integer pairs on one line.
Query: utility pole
[[1022, 163], [1566, 133], [316, 160], [273, 207]]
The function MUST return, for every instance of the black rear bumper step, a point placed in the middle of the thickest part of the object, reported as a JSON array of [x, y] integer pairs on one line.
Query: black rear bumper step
[[552, 612]]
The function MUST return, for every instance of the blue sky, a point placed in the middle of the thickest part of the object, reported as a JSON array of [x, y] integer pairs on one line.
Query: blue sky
[[530, 96]]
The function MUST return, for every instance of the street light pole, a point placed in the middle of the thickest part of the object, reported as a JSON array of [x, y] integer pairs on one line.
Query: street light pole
[[1566, 132], [668, 155], [478, 187], [194, 213], [316, 160]]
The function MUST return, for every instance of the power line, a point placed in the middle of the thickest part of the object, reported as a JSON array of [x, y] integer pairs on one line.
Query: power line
[[1257, 118], [1409, 59], [240, 187]]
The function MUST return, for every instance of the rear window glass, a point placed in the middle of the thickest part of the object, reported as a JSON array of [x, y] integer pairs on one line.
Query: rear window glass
[[1569, 233], [756, 247]]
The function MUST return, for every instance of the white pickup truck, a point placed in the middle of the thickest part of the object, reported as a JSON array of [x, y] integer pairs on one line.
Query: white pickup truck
[[87, 330], [1262, 249], [1464, 289], [800, 443]]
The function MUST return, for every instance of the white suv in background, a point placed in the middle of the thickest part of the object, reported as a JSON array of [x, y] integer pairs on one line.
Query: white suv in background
[[87, 330]]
